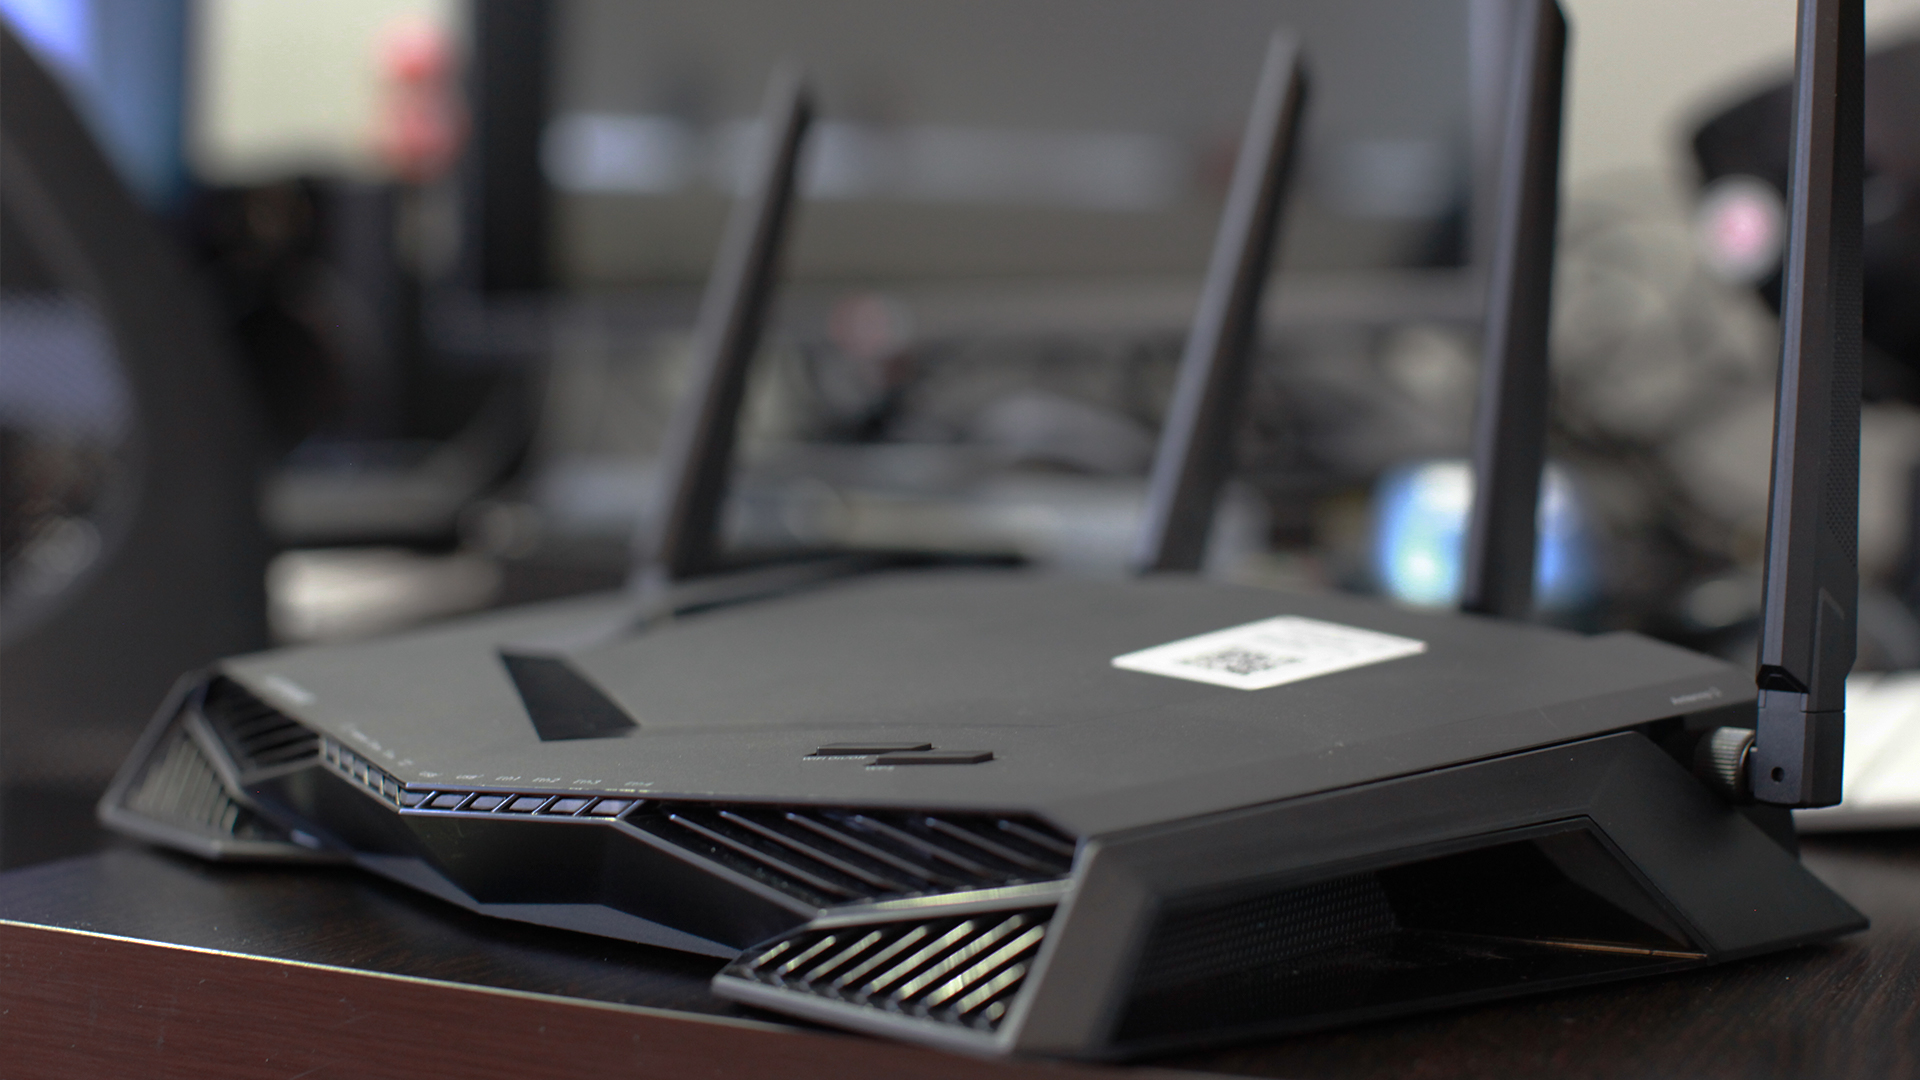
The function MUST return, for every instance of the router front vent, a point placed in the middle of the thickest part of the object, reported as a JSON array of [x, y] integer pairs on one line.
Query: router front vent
[[510, 804], [181, 789], [961, 971], [257, 735], [361, 771], [830, 856]]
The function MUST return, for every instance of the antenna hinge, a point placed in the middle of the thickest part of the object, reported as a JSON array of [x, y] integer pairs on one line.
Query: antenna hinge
[[1796, 757]]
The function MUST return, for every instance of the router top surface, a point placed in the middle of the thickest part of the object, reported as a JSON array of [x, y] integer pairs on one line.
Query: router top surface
[[735, 703]]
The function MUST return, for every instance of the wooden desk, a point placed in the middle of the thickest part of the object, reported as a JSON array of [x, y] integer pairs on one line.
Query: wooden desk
[[134, 963]]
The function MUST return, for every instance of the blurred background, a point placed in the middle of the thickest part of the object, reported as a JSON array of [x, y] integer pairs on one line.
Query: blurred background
[[323, 320]]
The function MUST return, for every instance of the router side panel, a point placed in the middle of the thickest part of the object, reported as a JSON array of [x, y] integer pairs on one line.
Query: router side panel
[[1576, 864], [1711, 862], [1130, 881], [1101, 926]]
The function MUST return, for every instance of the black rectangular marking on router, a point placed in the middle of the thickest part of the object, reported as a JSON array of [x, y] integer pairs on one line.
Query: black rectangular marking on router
[[936, 757], [561, 703], [863, 749]]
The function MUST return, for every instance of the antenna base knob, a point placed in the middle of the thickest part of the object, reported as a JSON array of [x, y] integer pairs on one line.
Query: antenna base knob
[[1720, 761]]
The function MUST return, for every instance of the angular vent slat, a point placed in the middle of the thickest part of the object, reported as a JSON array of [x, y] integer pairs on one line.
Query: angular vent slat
[[838, 960], [972, 976], [182, 789], [998, 851], [764, 859], [828, 855], [915, 960], [821, 855], [257, 735], [251, 728], [297, 747], [963, 971], [883, 955], [1038, 838], [996, 987], [958, 860], [805, 955], [959, 958], [919, 873], [814, 852]]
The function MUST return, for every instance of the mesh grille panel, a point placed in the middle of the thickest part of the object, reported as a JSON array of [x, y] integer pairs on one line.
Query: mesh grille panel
[[1554, 908], [1296, 950], [963, 971], [1209, 941]]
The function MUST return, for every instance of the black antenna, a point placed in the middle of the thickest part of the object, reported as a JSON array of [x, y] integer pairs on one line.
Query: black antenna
[[1196, 444], [1808, 616], [1510, 425], [699, 443]]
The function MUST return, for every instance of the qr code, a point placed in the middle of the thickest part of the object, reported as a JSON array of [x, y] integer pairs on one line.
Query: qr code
[[1238, 661]]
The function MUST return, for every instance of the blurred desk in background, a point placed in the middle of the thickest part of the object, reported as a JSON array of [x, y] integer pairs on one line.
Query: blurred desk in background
[[134, 962]]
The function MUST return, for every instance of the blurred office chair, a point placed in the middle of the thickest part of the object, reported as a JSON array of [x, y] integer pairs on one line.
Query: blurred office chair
[[130, 549]]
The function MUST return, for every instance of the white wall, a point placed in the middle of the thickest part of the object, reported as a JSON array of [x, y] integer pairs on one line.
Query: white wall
[[291, 84], [293, 81], [1645, 71]]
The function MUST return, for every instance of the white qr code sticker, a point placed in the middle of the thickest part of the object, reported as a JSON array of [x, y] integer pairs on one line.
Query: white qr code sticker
[[1271, 652]]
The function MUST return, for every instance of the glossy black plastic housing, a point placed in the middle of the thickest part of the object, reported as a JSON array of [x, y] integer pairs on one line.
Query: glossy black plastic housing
[[1583, 862]]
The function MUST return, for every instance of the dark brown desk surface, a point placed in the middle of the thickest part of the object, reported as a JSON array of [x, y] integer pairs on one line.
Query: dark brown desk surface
[[133, 963]]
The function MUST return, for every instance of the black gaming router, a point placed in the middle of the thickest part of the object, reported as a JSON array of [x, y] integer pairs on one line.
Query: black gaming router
[[1004, 812]]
